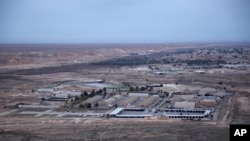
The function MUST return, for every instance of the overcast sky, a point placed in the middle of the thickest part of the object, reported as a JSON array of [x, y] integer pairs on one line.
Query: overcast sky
[[123, 21]]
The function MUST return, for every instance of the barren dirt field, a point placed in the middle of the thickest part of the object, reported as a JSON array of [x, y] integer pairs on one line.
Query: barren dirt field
[[25, 68], [84, 129]]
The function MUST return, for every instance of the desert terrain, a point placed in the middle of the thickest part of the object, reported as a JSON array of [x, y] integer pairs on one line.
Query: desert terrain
[[181, 70]]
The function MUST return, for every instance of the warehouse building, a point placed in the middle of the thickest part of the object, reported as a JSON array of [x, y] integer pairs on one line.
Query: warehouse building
[[138, 94], [176, 98], [128, 101], [148, 101], [184, 104], [111, 101], [174, 113], [205, 103], [66, 94], [92, 100], [116, 112], [188, 115], [134, 116]]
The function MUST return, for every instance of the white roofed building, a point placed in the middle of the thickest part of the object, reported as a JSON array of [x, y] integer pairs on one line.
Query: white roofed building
[[184, 104]]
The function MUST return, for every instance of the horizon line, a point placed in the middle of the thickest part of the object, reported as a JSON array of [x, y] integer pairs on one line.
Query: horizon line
[[107, 43]]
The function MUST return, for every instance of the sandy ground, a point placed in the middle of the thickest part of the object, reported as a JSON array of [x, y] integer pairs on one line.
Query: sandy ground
[[78, 129], [16, 88]]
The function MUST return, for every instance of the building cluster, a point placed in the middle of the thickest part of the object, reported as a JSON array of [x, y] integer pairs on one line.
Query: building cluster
[[143, 104]]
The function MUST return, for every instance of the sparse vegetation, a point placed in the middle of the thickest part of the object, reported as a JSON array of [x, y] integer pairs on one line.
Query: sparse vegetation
[[23, 76]]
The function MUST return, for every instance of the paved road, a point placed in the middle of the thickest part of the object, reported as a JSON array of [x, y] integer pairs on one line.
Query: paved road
[[61, 114]]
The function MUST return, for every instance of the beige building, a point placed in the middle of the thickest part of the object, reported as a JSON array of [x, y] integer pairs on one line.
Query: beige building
[[138, 94], [148, 101], [128, 101], [184, 104], [111, 101], [92, 100], [206, 103]]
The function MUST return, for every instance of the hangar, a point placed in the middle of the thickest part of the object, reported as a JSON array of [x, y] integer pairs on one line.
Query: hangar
[[110, 101]]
